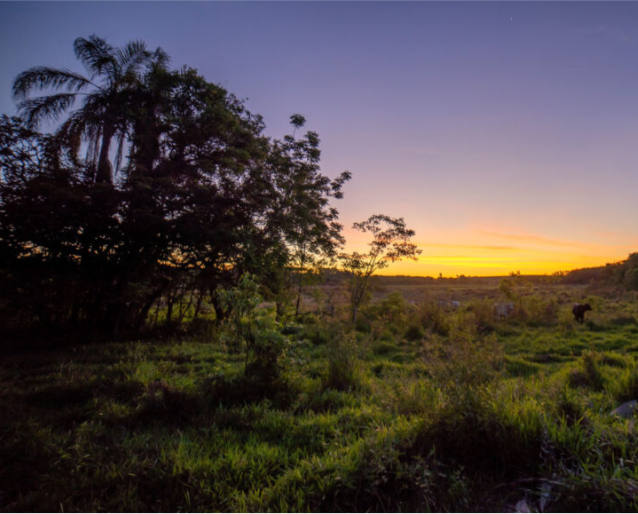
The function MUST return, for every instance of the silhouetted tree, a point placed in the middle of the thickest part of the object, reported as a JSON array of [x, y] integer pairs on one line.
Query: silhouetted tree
[[390, 243], [205, 196], [302, 214], [103, 114]]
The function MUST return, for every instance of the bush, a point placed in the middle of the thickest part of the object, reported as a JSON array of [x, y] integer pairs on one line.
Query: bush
[[344, 373], [317, 334], [253, 332], [481, 319], [589, 374], [539, 312], [463, 365], [433, 318], [414, 333]]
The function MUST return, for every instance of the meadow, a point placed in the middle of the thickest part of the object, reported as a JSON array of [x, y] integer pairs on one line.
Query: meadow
[[419, 407]]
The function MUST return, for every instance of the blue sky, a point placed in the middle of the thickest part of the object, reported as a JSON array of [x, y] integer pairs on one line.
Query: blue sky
[[504, 132]]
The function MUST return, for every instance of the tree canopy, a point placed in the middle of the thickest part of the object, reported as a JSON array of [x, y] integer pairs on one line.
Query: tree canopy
[[203, 198], [390, 243]]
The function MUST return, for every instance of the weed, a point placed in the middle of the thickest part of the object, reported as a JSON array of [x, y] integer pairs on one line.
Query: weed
[[344, 372]]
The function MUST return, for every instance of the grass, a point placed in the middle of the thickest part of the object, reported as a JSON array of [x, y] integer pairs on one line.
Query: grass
[[437, 410]]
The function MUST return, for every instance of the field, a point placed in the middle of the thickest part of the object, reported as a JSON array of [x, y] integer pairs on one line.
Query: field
[[423, 407]]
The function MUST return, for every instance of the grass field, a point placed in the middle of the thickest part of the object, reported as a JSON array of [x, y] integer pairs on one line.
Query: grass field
[[421, 408]]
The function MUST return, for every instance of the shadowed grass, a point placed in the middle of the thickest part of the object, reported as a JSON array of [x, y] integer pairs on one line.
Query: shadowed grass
[[442, 410]]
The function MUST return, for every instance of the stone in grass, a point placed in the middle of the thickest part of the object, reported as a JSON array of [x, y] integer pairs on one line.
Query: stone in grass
[[626, 410]]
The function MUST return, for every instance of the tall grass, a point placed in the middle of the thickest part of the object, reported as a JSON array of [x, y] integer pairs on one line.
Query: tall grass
[[432, 408]]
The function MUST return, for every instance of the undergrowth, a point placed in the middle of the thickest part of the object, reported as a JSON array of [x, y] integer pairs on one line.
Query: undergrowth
[[426, 408]]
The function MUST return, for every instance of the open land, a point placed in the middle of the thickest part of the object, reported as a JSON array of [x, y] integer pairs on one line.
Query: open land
[[422, 408]]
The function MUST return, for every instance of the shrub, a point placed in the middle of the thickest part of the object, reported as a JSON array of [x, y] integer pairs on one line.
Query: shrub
[[414, 333], [317, 334], [539, 312], [253, 332], [462, 364], [589, 374], [343, 372], [481, 320], [434, 318]]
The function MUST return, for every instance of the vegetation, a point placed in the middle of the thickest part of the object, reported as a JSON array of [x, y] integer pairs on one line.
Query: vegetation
[[203, 198], [390, 243], [393, 416], [188, 334]]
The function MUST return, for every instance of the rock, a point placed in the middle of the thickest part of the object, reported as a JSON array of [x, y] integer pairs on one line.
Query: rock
[[626, 410]]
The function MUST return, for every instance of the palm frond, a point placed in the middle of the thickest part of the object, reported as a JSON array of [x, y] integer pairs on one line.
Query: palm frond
[[132, 57], [160, 58], [97, 55], [45, 108], [95, 107], [72, 131], [43, 77]]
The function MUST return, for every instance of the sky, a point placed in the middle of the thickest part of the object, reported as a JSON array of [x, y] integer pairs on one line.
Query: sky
[[504, 133]]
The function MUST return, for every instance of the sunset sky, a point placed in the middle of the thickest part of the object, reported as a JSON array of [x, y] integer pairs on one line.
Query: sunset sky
[[505, 133]]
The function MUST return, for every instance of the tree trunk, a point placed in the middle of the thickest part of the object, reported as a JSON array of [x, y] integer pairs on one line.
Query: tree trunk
[[198, 305], [298, 298], [104, 174], [169, 311], [141, 317]]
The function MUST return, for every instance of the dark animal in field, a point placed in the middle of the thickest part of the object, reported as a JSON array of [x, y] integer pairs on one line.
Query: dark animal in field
[[579, 311], [503, 310]]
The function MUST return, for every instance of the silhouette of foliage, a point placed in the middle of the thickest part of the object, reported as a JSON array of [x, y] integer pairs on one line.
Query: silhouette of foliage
[[390, 243], [204, 196]]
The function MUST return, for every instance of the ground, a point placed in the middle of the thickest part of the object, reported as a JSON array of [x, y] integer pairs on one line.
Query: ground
[[423, 407]]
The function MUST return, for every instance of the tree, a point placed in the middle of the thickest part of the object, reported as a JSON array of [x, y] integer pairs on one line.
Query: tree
[[390, 243], [43, 222], [302, 212], [103, 115], [205, 197]]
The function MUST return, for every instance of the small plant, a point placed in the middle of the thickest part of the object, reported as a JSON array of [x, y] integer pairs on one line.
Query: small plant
[[253, 332], [414, 333], [462, 365], [589, 374], [343, 365], [434, 318]]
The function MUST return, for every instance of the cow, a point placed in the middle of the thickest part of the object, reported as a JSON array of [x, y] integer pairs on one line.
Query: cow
[[503, 310], [579, 311]]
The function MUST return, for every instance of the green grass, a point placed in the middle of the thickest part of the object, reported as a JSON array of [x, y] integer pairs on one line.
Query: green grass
[[458, 413]]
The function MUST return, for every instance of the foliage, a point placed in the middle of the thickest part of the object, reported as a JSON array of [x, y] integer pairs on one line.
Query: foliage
[[390, 243], [515, 286], [252, 332], [303, 210], [343, 372], [456, 422], [204, 197], [103, 114]]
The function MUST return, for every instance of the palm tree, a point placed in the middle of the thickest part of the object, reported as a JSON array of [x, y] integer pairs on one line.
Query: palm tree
[[113, 74]]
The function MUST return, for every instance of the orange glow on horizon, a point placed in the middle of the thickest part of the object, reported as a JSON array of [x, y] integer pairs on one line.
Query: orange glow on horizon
[[498, 253]]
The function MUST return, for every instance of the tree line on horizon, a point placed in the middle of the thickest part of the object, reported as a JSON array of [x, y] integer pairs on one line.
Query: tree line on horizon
[[161, 186]]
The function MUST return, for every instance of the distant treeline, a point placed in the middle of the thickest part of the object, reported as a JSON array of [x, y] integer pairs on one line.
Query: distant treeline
[[623, 273]]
